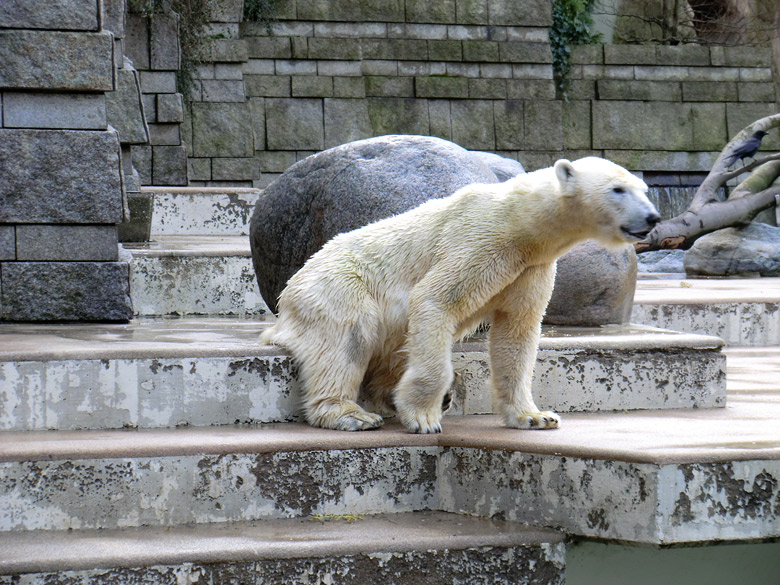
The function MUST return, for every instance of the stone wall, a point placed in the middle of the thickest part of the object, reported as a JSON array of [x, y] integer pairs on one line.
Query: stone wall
[[477, 72], [667, 110], [61, 179]]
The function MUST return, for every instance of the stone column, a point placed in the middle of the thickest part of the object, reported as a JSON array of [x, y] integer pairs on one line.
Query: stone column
[[61, 186]]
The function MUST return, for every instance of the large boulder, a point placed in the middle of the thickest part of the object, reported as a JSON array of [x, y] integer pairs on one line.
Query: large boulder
[[750, 251], [346, 187], [594, 286], [354, 184]]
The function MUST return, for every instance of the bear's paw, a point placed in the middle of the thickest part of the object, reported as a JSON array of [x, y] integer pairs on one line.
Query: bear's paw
[[359, 421], [533, 420]]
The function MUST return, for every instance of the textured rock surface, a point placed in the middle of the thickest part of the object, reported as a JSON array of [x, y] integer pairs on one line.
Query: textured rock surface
[[124, 109], [45, 181], [593, 286], [48, 14], [750, 251], [346, 187], [661, 261], [40, 291], [56, 60], [504, 168]]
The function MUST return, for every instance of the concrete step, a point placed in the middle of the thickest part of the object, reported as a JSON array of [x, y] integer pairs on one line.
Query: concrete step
[[742, 312], [202, 211], [154, 373], [194, 275], [656, 477], [437, 547]]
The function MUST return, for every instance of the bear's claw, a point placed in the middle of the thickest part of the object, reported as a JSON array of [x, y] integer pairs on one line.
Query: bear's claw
[[363, 421], [534, 420]]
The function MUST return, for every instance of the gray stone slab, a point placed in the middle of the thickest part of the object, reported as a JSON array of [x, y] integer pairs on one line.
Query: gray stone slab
[[169, 107], [469, 129], [125, 109], [50, 14], [223, 487], [7, 242], [60, 176], [346, 120], [65, 291], [66, 243], [294, 124], [164, 42], [54, 110], [210, 211], [351, 550], [158, 81], [137, 40], [222, 129], [169, 165], [214, 372], [56, 60], [658, 125]]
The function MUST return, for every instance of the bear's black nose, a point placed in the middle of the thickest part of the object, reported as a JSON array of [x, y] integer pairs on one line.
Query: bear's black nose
[[652, 218]]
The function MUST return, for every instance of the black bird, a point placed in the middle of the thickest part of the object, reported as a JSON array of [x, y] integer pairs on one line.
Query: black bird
[[748, 149]]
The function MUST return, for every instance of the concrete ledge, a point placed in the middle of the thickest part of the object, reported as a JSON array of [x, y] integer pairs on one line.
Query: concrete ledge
[[740, 311], [166, 373], [194, 275], [442, 545], [202, 211], [653, 477]]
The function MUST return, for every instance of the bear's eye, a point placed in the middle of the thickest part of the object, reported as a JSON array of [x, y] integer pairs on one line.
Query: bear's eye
[[619, 190]]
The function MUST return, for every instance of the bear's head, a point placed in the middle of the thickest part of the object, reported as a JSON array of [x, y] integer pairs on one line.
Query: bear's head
[[613, 201]]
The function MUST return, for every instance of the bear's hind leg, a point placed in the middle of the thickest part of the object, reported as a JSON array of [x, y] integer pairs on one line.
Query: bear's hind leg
[[331, 376]]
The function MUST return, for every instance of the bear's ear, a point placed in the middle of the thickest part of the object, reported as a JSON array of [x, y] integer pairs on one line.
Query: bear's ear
[[564, 170]]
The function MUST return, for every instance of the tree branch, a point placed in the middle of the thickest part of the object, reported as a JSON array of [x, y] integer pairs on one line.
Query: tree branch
[[720, 174], [680, 232]]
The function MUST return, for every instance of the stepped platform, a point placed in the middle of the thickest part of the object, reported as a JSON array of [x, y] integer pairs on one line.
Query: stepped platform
[[742, 312], [202, 211], [154, 373], [438, 547], [194, 275], [653, 477]]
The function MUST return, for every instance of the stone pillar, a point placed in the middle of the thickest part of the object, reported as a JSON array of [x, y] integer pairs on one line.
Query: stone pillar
[[62, 192]]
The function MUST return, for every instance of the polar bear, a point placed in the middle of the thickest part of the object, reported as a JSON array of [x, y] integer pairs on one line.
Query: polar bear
[[374, 314]]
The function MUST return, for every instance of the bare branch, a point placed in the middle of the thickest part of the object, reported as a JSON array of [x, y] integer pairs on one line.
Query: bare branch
[[680, 232], [719, 174]]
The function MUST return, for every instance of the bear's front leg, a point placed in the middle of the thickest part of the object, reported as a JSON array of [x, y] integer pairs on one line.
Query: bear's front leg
[[419, 395], [514, 340]]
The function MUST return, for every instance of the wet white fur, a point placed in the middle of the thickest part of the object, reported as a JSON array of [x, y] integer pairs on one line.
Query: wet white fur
[[378, 308]]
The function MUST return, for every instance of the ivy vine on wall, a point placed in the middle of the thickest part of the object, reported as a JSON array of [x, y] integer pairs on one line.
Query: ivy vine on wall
[[571, 21]]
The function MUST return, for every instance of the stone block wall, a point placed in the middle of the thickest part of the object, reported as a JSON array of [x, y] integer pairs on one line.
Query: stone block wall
[[477, 72], [667, 110], [153, 47], [61, 179]]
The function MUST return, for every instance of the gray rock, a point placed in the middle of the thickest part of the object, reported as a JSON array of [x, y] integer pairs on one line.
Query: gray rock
[[139, 227], [750, 251], [7, 242], [56, 291], [594, 286], [346, 187], [124, 108], [504, 168], [74, 111], [669, 261], [49, 14], [60, 176], [169, 165], [221, 130], [52, 60], [75, 243]]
